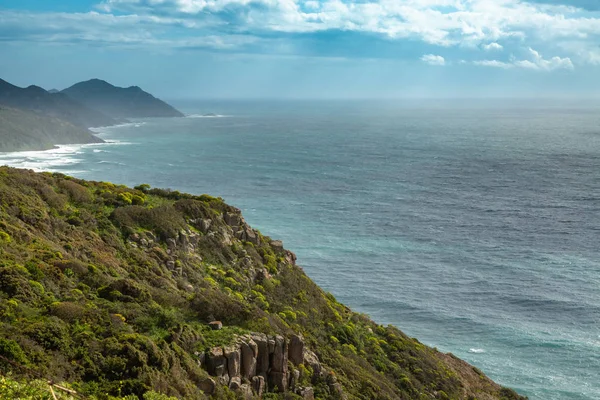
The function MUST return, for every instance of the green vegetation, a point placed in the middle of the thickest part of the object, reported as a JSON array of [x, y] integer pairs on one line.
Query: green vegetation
[[112, 296], [25, 130]]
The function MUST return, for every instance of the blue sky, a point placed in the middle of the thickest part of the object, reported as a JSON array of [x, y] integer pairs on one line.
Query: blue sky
[[308, 48]]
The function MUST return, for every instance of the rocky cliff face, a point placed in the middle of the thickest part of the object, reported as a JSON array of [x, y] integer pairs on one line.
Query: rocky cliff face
[[122, 291], [257, 363]]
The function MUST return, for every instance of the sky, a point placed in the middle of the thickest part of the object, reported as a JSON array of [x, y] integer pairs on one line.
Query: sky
[[185, 49]]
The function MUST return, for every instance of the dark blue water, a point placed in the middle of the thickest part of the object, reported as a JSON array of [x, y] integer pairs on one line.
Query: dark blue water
[[474, 229]]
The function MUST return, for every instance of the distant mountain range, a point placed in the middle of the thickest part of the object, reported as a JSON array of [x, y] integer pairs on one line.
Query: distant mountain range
[[50, 117], [116, 102], [56, 105]]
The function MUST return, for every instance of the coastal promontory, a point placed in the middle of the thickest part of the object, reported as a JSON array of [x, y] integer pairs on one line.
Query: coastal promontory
[[111, 291]]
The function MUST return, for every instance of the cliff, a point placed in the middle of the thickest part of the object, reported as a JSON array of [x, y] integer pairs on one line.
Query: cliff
[[117, 291], [22, 130], [117, 102]]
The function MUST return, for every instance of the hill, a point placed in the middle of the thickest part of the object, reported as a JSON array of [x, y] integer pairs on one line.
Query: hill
[[56, 105], [131, 102], [23, 130], [120, 291]]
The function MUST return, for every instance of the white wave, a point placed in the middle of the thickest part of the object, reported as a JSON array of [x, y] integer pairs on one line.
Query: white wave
[[205, 116], [59, 157], [476, 351], [104, 129]]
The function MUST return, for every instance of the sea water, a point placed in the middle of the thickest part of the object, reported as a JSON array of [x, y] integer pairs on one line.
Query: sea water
[[473, 227]]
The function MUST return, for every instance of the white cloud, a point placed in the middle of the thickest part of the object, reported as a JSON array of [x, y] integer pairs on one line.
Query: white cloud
[[493, 63], [493, 46], [465, 24], [432, 59], [536, 62], [441, 22]]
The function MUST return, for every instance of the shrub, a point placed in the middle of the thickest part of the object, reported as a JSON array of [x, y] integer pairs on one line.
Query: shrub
[[76, 192], [11, 350], [50, 334]]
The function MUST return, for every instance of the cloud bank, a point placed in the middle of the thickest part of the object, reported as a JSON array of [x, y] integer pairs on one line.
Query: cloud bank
[[567, 31]]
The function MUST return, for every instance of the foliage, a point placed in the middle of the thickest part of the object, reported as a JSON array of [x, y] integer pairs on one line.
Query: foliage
[[111, 289]]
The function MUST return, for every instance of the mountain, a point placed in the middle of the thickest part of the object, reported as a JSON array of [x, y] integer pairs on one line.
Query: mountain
[[25, 130], [56, 105], [117, 291], [131, 102]]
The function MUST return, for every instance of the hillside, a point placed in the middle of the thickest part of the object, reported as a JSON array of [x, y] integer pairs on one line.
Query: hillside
[[22, 130], [55, 105], [131, 102], [120, 291]]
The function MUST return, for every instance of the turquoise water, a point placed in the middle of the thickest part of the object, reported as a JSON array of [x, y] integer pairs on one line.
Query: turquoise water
[[474, 229]]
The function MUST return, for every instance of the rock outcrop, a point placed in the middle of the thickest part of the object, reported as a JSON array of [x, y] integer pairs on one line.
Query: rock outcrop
[[258, 363]]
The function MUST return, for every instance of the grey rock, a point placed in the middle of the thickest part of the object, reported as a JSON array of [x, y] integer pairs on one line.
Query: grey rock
[[235, 383], [306, 393], [205, 225], [277, 381], [216, 363], [311, 360], [262, 359], [296, 350], [171, 243], [232, 354], [249, 352], [208, 386], [290, 257], [280, 355], [294, 377], [258, 385], [277, 245], [201, 360], [246, 391]]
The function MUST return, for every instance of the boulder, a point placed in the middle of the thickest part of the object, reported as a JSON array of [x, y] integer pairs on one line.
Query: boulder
[[246, 391], [296, 350], [215, 325], [251, 236], [306, 393], [290, 257], [171, 243], [235, 383], [204, 225], [232, 219], [208, 386], [277, 245]]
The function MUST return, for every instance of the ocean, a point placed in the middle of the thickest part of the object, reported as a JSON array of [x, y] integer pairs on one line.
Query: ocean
[[474, 227]]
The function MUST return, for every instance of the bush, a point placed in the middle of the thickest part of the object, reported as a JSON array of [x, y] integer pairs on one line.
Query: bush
[[11, 350]]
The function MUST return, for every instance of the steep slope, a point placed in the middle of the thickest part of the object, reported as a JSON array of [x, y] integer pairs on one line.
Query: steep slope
[[120, 291], [56, 105], [131, 102], [22, 130]]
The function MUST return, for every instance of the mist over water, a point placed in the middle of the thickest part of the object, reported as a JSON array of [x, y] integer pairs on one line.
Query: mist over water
[[473, 228]]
